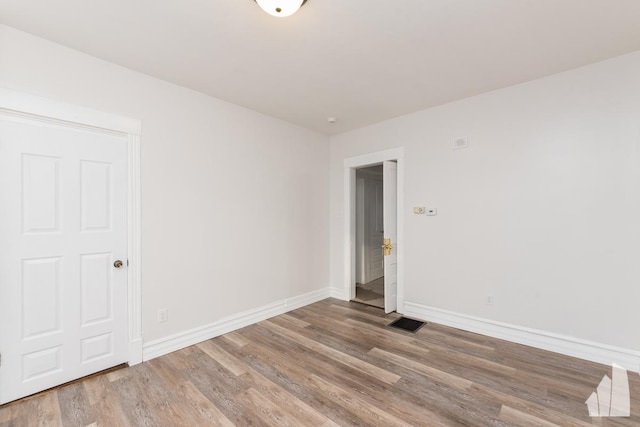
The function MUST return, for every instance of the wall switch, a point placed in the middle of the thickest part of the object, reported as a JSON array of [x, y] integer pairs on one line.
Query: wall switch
[[163, 315], [419, 210], [431, 211]]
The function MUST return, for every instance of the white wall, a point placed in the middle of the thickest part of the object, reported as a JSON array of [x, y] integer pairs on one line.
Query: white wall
[[542, 211], [235, 203]]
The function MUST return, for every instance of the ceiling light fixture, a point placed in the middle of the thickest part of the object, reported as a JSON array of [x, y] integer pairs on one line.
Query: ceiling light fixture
[[280, 8]]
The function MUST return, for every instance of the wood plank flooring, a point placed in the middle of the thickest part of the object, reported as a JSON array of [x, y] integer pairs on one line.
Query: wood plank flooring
[[371, 293], [334, 364]]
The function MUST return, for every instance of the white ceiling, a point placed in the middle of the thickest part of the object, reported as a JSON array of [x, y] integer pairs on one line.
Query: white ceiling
[[362, 61]]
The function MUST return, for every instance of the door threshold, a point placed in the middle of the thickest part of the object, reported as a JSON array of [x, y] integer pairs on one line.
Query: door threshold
[[367, 304]]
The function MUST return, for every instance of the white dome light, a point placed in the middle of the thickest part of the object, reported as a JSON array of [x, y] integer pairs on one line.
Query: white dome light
[[280, 8]]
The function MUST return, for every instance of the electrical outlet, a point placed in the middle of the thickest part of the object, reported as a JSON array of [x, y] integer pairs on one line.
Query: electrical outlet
[[163, 315], [489, 299]]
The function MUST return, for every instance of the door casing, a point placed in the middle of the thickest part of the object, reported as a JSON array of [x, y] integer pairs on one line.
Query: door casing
[[350, 166]]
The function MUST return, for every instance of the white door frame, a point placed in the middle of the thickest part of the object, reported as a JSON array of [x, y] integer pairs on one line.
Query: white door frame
[[350, 166], [52, 113]]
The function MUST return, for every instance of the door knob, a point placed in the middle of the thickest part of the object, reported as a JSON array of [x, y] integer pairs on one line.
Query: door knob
[[117, 263], [387, 247]]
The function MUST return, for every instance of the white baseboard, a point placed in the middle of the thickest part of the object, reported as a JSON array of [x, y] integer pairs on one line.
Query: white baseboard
[[338, 293], [563, 344], [175, 342]]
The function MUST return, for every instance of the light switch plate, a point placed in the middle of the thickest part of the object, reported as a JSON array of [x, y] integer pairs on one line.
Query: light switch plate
[[431, 212]]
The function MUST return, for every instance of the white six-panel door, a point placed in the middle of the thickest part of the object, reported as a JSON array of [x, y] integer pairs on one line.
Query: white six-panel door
[[63, 224]]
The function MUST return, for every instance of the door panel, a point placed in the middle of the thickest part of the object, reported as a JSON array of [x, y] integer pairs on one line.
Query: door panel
[[375, 227], [95, 287], [95, 197], [40, 296], [390, 183], [41, 198], [63, 306]]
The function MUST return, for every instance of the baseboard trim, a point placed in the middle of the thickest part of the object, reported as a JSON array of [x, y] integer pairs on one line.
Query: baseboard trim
[[563, 344], [338, 293], [162, 346]]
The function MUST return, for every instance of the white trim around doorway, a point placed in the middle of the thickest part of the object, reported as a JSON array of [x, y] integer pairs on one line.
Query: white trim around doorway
[[23, 106], [350, 166]]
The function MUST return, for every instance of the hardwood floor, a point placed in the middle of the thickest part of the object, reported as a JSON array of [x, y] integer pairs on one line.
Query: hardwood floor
[[371, 293], [334, 363]]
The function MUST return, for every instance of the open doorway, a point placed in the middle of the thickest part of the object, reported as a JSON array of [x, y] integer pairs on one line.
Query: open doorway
[[370, 236], [392, 162], [374, 236]]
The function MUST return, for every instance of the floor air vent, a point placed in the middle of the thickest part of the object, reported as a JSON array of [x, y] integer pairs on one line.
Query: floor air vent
[[407, 324]]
